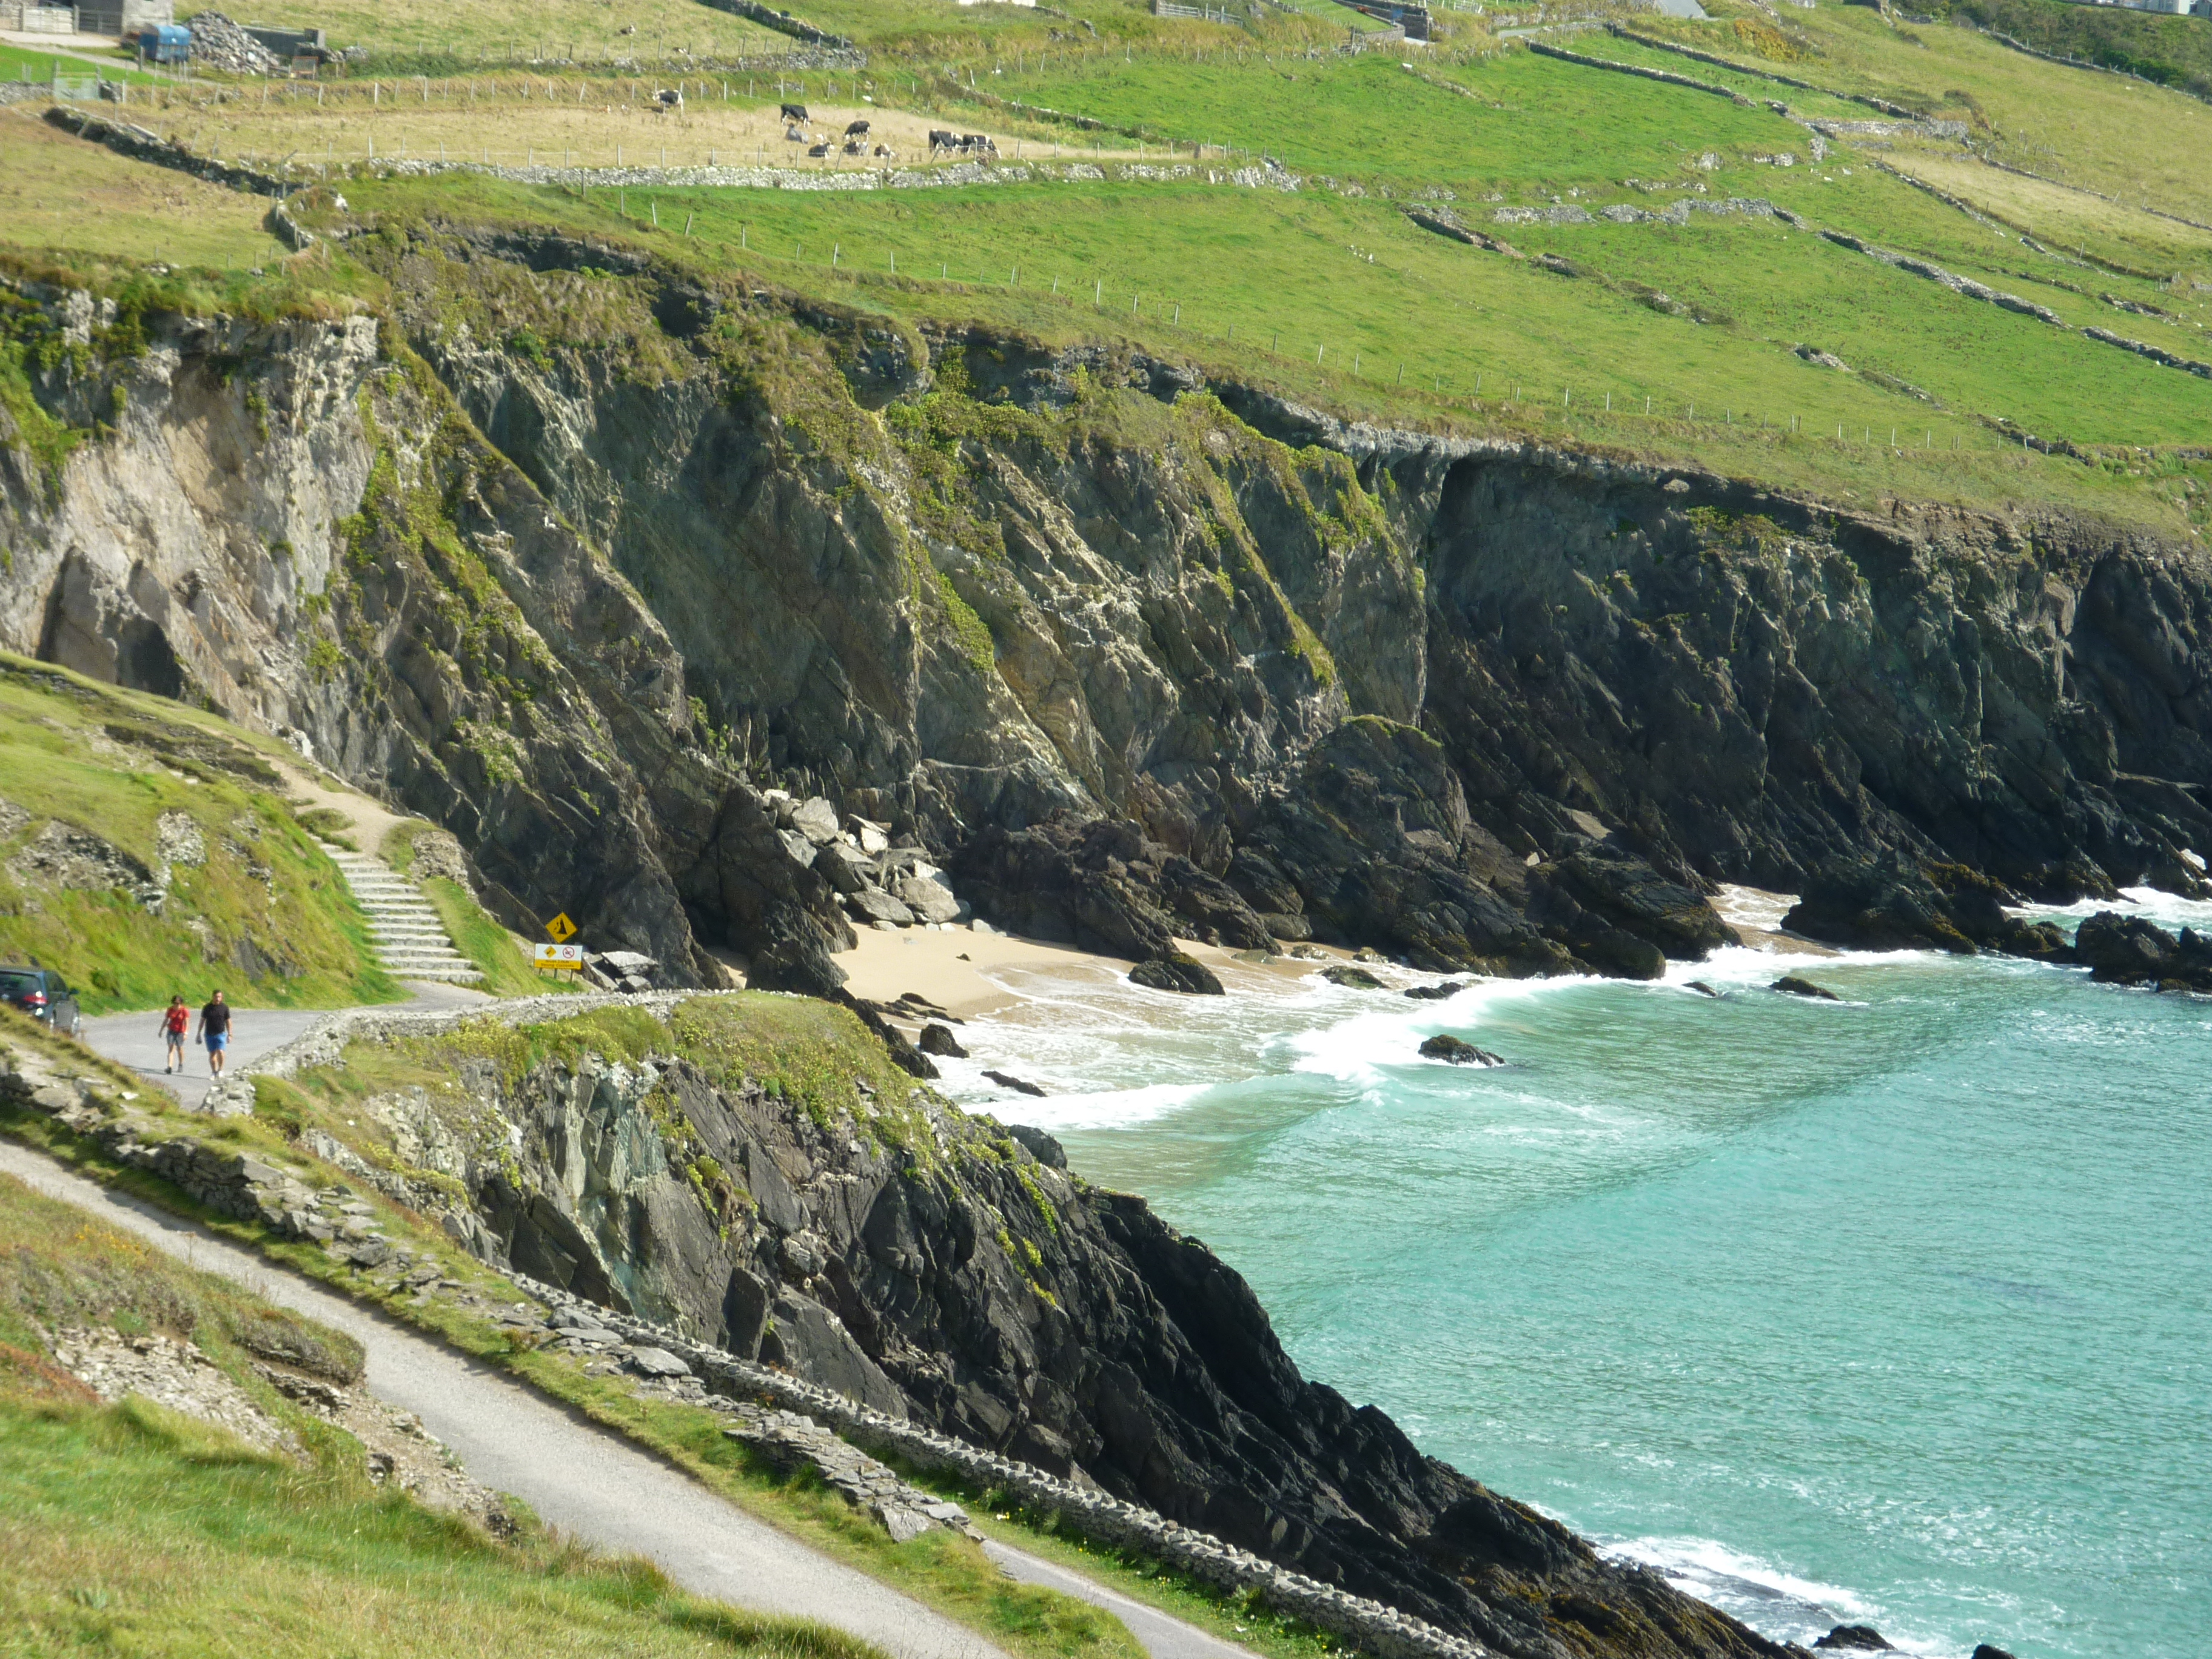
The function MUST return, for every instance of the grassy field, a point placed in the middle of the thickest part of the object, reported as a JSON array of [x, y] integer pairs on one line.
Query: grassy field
[[1487, 343], [1658, 340], [130, 1528], [57, 191], [263, 913]]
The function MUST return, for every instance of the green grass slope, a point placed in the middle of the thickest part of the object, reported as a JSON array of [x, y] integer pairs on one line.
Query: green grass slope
[[130, 1528], [251, 903], [1713, 340]]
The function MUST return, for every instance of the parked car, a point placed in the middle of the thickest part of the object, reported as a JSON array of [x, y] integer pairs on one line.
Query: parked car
[[43, 994]]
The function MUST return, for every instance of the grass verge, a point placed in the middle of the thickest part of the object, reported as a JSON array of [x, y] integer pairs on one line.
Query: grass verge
[[129, 1527], [101, 792]]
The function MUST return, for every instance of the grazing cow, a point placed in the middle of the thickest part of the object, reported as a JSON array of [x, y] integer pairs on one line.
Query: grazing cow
[[669, 98], [857, 130], [794, 112], [817, 151], [977, 142], [940, 139]]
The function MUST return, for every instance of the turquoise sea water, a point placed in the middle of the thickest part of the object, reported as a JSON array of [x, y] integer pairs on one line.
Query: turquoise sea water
[[1897, 1310]]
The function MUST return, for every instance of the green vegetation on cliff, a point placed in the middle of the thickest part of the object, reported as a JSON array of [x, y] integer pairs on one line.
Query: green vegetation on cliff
[[145, 850]]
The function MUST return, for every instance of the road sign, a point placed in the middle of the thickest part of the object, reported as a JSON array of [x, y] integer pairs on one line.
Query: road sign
[[561, 928], [560, 958]]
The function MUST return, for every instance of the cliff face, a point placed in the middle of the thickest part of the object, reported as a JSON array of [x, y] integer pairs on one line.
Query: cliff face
[[576, 554]]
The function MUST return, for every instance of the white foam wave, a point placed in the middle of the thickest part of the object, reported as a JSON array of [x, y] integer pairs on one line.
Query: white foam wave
[[1753, 907], [2168, 910], [1771, 1599]]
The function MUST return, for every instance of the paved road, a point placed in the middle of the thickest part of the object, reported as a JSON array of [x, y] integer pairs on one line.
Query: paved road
[[593, 1482], [586, 1479], [1162, 1635], [135, 1040]]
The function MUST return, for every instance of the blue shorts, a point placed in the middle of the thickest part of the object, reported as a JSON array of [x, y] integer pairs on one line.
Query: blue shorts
[[217, 1041]]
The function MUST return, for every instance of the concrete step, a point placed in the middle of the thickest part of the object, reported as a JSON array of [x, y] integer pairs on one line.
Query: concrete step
[[410, 940]]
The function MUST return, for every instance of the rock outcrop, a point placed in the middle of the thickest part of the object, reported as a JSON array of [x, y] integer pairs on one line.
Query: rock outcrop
[[937, 1268], [2131, 950]]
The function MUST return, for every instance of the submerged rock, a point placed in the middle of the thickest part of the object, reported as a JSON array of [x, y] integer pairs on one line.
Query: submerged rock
[[1436, 993], [1865, 1637], [1795, 986], [1007, 1080], [1445, 1047], [1701, 988]]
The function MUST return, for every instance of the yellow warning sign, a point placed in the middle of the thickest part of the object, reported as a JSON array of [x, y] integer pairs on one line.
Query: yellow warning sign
[[562, 929]]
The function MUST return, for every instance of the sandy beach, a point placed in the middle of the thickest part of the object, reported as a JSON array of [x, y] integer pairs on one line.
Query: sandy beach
[[955, 968]]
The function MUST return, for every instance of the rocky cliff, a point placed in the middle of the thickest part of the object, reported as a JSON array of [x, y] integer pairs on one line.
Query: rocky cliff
[[752, 1172], [579, 555]]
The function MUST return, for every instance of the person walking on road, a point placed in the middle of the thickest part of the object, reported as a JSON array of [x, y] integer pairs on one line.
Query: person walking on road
[[173, 1020], [214, 1031]]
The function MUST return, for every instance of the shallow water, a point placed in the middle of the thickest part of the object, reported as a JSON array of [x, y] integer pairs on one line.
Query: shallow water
[[1896, 1310]]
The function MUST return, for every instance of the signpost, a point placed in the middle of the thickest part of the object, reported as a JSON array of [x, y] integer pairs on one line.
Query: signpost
[[560, 957]]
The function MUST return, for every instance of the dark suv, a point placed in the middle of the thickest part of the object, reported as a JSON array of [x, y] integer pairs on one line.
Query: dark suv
[[43, 994]]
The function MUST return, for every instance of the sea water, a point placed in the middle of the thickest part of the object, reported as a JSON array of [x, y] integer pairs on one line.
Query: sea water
[[1896, 1310]]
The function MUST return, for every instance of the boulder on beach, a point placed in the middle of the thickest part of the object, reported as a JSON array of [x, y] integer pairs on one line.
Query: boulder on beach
[[1458, 1052], [1177, 970], [1352, 979], [1791, 984]]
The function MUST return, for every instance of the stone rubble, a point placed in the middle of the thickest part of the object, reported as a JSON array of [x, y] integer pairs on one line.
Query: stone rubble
[[173, 1373], [220, 44]]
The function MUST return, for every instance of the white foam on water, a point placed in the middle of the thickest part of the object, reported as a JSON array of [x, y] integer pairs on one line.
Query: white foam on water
[[1769, 1598], [1751, 907], [2168, 910]]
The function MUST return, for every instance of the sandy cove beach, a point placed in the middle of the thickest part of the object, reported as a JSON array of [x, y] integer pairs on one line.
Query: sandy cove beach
[[958, 969], [953, 969]]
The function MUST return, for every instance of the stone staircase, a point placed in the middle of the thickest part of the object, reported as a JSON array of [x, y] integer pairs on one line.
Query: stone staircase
[[411, 941]]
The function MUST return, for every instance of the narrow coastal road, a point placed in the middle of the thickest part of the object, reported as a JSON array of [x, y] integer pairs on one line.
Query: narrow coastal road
[[593, 1482], [584, 1479], [135, 1040]]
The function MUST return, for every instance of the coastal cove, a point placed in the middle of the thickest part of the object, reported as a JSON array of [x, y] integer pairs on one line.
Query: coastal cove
[[1887, 1311]]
